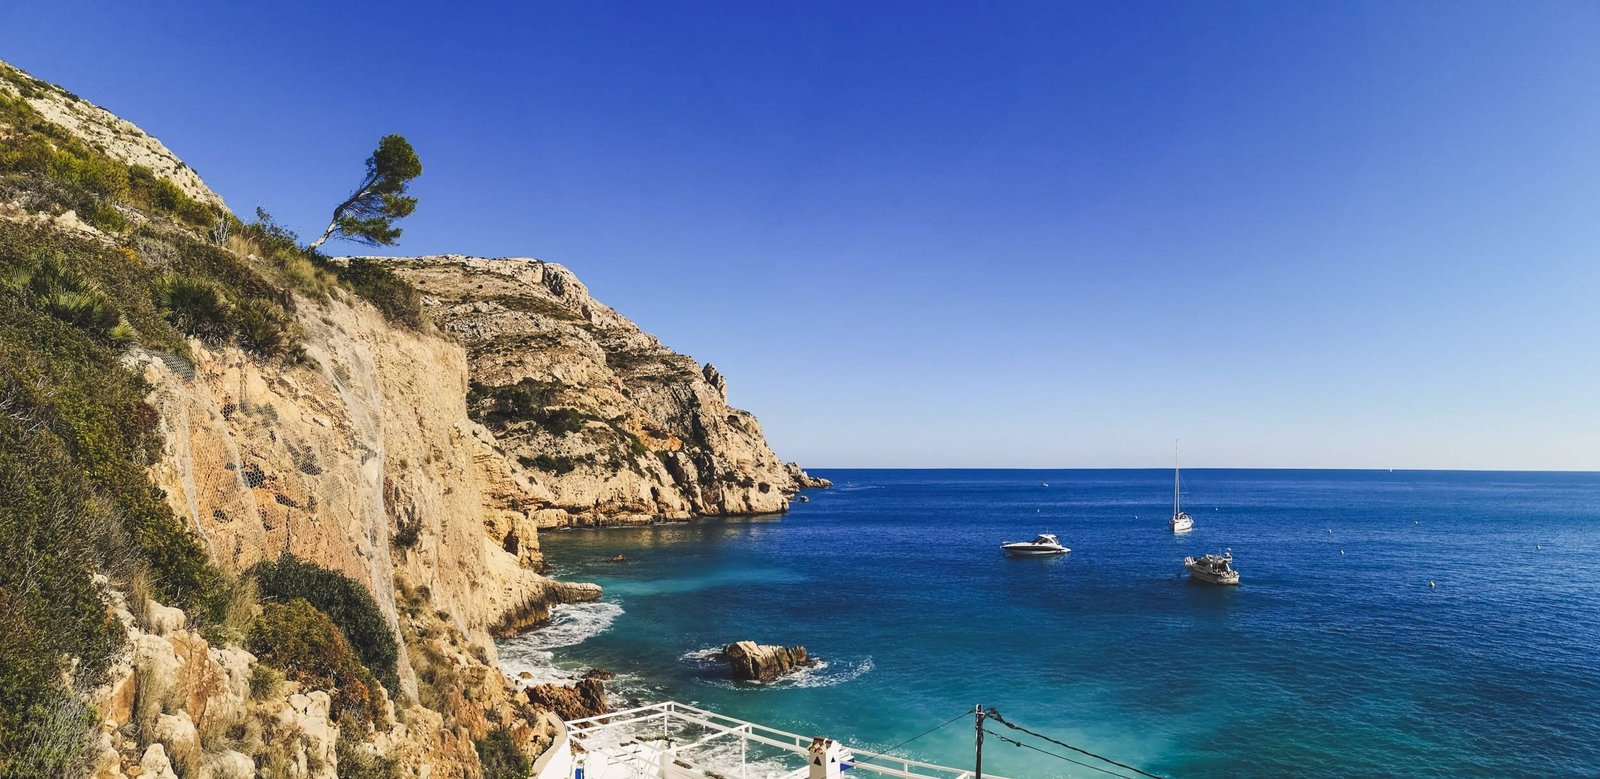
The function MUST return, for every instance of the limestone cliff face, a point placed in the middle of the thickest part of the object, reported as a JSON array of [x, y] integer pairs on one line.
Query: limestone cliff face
[[333, 459], [605, 423], [358, 455], [418, 462]]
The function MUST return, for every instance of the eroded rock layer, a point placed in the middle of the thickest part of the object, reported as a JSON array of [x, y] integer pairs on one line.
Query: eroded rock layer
[[603, 421]]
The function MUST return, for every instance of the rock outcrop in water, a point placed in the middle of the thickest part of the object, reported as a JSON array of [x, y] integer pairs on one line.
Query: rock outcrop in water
[[749, 661], [579, 700]]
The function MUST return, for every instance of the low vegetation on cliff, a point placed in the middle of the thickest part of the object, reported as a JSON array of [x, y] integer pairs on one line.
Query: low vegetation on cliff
[[153, 269], [349, 605], [301, 640]]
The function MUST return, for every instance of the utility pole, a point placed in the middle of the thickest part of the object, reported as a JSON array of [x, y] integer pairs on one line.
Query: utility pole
[[977, 768]]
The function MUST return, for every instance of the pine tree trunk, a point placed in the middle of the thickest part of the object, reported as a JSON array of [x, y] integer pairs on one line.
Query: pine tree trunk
[[325, 233]]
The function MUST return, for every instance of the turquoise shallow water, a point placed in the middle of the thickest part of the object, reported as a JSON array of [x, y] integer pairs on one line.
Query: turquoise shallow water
[[1320, 664]]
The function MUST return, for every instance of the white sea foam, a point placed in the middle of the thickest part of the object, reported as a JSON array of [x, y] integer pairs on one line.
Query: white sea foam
[[703, 659], [821, 673], [570, 624], [539, 666]]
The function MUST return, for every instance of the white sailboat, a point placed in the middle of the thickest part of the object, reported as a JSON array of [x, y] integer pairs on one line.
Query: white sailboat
[[1181, 522]]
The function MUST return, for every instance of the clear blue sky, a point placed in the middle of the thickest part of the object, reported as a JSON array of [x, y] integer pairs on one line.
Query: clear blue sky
[[968, 234]]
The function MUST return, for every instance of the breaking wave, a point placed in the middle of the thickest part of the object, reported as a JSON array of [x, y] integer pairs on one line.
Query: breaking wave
[[571, 624], [528, 658]]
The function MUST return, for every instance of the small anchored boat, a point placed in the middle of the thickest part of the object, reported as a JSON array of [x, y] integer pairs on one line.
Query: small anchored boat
[[1181, 522], [1213, 568], [1042, 544]]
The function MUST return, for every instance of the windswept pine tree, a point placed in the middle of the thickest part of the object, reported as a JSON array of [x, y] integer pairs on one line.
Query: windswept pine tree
[[368, 215]]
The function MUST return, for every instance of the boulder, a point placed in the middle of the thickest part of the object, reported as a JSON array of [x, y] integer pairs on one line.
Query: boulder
[[163, 620], [717, 381], [229, 764], [754, 662], [580, 700], [177, 733], [155, 765]]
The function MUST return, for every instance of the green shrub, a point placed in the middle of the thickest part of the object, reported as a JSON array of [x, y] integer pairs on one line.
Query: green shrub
[[64, 294], [560, 421], [75, 387], [406, 534], [501, 405], [235, 601], [499, 756], [558, 464], [349, 604], [528, 400], [279, 246], [200, 309], [635, 445], [194, 306], [379, 286], [263, 327], [265, 681], [50, 609], [357, 763], [76, 440], [269, 234], [311, 650]]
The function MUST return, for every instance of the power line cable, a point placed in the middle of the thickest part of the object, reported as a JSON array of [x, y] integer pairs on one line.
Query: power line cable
[[885, 753], [1017, 743], [995, 715]]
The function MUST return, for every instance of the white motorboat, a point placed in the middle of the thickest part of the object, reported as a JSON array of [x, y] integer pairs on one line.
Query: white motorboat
[[1213, 568], [1042, 544], [1181, 521]]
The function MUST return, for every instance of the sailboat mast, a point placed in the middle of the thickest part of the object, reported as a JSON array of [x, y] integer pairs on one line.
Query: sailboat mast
[[1176, 467]]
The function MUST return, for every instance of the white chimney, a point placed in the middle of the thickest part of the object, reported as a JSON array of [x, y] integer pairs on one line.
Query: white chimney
[[825, 757]]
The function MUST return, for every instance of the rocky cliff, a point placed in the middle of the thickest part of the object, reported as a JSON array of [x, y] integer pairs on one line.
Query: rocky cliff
[[288, 415], [605, 423]]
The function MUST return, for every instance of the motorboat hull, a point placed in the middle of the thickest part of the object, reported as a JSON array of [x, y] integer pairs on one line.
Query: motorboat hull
[[1033, 550], [1201, 573]]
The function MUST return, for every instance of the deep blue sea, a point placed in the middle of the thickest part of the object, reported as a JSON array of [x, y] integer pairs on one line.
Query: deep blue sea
[[1334, 657]]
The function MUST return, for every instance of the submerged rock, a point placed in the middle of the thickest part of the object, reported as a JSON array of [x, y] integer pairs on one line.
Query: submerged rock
[[754, 662]]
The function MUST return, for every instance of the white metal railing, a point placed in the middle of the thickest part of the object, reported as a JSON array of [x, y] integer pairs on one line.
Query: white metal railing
[[658, 741]]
